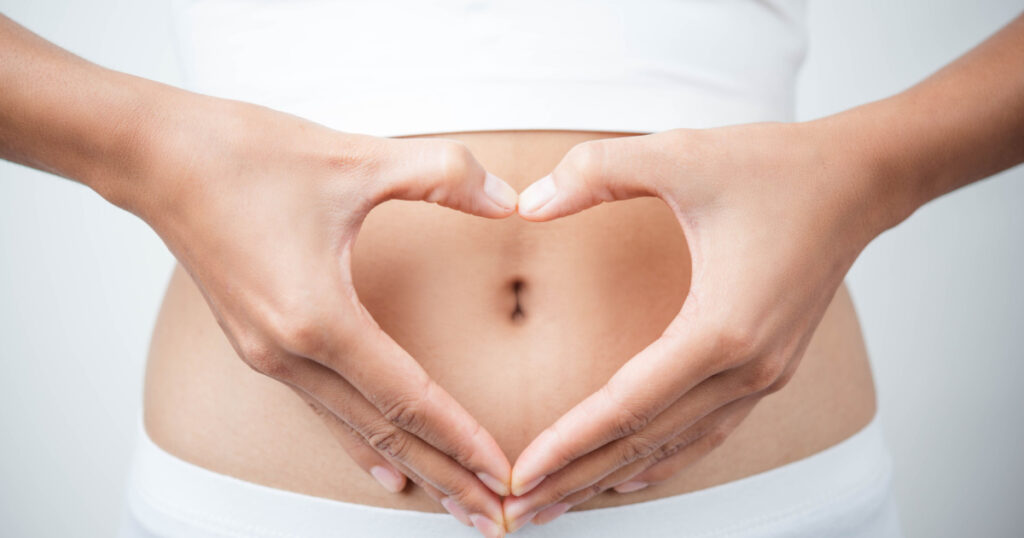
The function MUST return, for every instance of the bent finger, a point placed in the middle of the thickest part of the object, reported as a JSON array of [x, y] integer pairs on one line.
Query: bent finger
[[597, 471], [355, 445], [444, 172], [641, 389], [680, 454], [590, 173], [402, 391], [450, 478]]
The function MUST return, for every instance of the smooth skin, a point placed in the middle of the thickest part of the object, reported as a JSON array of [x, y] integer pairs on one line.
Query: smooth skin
[[797, 202], [205, 174]]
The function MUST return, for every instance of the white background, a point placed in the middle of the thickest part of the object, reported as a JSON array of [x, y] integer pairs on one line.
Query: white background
[[940, 297]]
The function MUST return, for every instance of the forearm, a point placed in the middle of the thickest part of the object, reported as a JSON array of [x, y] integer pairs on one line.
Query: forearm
[[962, 124], [64, 115]]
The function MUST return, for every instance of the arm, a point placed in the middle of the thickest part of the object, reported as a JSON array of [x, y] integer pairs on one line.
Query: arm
[[774, 214], [261, 208], [960, 125]]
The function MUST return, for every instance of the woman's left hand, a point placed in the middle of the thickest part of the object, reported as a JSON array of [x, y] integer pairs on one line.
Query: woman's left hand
[[774, 215]]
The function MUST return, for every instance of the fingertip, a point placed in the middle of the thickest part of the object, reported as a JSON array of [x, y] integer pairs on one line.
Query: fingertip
[[497, 486], [389, 478], [500, 193], [538, 195]]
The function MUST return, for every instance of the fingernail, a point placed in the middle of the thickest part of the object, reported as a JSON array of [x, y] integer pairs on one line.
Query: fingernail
[[525, 488], [389, 478], [496, 485], [632, 485], [537, 194], [500, 192], [454, 509], [550, 513], [486, 527], [512, 508], [515, 509]]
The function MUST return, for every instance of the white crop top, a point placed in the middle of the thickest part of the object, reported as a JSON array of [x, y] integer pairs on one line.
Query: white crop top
[[398, 67]]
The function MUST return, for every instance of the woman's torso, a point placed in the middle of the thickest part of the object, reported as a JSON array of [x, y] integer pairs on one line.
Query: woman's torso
[[518, 321]]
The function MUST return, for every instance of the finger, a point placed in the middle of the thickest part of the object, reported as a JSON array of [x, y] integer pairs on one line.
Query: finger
[[450, 478], [389, 378], [689, 418], [444, 172], [680, 454], [590, 173], [355, 445], [641, 389], [446, 502], [670, 458], [694, 411]]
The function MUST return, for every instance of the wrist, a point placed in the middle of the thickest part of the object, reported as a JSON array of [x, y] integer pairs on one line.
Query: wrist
[[866, 150], [129, 154]]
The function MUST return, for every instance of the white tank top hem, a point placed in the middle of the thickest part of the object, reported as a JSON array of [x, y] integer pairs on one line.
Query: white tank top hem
[[843, 491], [402, 67]]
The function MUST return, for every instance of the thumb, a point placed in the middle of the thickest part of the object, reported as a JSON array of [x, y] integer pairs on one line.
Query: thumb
[[590, 173], [444, 172]]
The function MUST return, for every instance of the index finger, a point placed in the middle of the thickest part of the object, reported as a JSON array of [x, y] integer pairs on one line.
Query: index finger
[[399, 387], [640, 390]]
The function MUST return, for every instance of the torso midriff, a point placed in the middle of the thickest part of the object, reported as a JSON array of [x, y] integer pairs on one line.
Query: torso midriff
[[517, 320]]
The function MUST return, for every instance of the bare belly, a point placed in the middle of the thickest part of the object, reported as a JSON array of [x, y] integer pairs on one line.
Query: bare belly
[[518, 321]]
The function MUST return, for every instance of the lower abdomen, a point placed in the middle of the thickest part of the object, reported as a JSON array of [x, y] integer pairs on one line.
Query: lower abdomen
[[518, 321]]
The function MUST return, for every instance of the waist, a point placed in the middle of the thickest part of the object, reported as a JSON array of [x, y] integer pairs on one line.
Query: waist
[[844, 490], [518, 321]]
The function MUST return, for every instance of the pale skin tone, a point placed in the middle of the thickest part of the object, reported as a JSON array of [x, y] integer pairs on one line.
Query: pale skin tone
[[797, 201]]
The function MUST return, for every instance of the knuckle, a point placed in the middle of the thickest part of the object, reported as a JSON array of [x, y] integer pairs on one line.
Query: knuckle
[[302, 337], [635, 448], [734, 344], [780, 382], [629, 421], [390, 441], [586, 158], [404, 411], [264, 358], [456, 161], [761, 374], [298, 328], [670, 449]]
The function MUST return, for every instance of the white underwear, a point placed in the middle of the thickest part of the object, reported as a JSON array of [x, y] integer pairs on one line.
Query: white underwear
[[844, 491]]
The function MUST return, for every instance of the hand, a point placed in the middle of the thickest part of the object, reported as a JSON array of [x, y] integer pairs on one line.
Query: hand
[[774, 215], [262, 209]]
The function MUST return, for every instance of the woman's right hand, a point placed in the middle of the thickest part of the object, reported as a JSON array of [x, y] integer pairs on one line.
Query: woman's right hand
[[262, 209]]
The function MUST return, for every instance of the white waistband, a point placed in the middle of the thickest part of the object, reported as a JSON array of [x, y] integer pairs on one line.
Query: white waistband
[[844, 491]]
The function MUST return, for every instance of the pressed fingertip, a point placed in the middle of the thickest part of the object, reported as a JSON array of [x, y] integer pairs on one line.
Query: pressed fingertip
[[391, 479], [499, 192], [523, 489], [495, 485], [537, 195], [486, 526], [455, 510]]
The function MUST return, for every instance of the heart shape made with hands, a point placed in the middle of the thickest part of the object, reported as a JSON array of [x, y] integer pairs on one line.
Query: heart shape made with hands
[[753, 196], [421, 258]]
